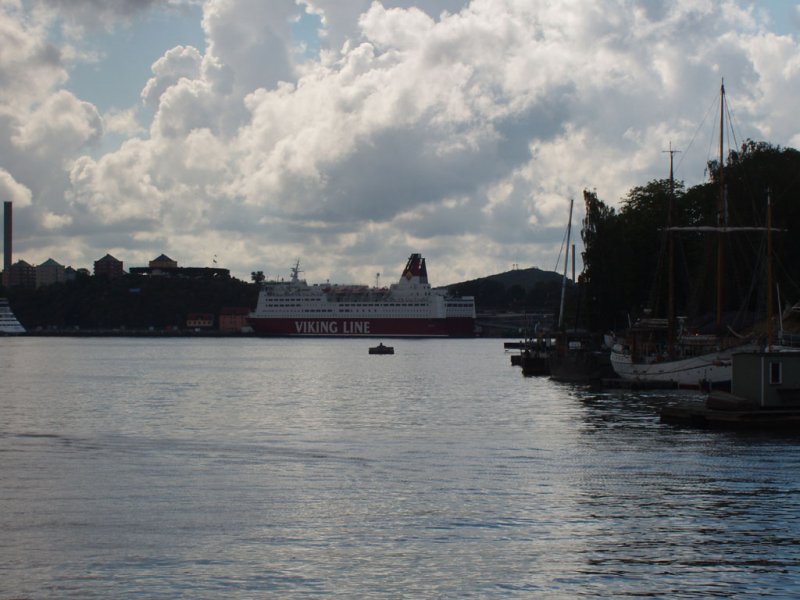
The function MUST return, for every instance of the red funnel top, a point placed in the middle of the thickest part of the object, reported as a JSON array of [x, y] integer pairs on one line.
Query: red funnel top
[[415, 267]]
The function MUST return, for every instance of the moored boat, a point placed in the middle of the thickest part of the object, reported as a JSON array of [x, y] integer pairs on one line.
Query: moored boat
[[578, 357], [381, 349], [664, 350], [408, 308]]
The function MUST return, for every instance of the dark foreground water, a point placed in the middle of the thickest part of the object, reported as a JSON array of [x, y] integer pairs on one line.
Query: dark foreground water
[[249, 468]]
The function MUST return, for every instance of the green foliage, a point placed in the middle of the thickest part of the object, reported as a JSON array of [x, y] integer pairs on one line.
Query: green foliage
[[625, 252]]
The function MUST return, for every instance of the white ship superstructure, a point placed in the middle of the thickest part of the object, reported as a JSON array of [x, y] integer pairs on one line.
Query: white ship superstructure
[[9, 325]]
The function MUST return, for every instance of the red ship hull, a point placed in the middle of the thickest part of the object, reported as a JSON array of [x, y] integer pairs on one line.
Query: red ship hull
[[358, 327]]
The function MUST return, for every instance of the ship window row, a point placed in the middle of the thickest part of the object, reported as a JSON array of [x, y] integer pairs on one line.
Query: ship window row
[[359, 304], [360, 310], [382, 304]]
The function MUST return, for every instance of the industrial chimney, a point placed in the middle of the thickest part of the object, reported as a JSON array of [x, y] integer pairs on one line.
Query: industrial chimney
[[6, 240]]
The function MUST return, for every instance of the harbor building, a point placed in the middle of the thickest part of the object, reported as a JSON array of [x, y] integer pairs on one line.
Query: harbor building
[[108, 267], [22, 274], [50, 272]]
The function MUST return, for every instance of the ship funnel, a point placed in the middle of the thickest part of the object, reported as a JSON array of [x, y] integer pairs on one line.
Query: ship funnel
[[415, 267]]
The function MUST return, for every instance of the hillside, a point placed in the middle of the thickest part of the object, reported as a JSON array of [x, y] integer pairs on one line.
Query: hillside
[[519, 289]]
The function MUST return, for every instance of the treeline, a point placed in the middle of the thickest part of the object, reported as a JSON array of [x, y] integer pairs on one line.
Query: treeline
[[626, 257], [130, 302]]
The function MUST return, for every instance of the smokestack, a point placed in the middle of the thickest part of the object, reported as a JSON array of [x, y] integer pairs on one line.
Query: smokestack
[[7, 237]]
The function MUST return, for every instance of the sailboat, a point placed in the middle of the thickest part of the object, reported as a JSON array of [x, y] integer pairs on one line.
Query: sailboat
[[576, 356], [662, 350]]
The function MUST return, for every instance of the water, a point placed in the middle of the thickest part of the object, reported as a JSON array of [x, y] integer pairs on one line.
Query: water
[[245, 468]]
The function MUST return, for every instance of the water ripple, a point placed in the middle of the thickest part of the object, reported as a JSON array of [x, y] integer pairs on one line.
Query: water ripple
[[295, 468]]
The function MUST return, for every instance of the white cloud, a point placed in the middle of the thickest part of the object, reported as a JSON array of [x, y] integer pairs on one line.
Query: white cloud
[[29, 65], [179, 62], [253, 38], [82, 15], [122, 122], [61, 122], [117, 187], [53, 221], [456, 129], [12, 190]]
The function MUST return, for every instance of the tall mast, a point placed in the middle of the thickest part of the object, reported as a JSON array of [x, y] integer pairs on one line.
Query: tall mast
[[721, 216], [566, 263], [769, 272], [671, 259]]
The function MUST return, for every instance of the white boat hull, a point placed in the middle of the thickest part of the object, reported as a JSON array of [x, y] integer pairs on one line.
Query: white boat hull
[[706, 370]]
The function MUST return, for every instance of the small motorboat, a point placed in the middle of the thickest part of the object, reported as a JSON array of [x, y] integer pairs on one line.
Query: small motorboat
[[381, 349]]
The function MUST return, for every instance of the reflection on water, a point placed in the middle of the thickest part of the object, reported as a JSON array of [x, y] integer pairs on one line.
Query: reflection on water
[[197, 468]]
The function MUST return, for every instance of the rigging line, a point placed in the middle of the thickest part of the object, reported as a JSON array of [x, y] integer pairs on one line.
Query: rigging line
[[786, 273], [711, 107], [561, 249], [731, 128]]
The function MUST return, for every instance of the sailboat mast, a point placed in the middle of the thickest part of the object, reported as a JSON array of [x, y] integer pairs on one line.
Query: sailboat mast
[[566, 263], [769, 272], [720, 205], [671, 259]]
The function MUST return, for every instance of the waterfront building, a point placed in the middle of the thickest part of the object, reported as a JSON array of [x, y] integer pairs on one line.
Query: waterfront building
[[199, 320], [163, 262], [22, 274], [108, 267], [233, 319], [50, 272]]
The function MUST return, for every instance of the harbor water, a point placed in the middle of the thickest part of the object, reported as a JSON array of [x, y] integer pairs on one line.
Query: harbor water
[[295, 468]]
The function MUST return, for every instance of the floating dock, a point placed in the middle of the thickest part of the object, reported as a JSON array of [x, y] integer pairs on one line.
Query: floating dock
[[765, 394]]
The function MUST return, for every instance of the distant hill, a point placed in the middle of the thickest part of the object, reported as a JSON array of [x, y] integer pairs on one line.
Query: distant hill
[[525, 278], [519, 289]]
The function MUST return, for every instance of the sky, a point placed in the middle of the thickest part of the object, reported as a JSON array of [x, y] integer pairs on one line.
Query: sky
[[350, 133]]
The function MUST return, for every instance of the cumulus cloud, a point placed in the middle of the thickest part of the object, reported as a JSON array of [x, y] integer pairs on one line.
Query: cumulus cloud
[[12, 190], [82, 15], [458, 129], [60, 122], [178, 63], [122, 122], [30, 65]]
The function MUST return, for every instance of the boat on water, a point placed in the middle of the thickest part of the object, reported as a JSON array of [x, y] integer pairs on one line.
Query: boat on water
[[574, 355], [663, 349], [408, 308], [534, 356], [381, 349], [696, 361], [9, 325], [578, 357]]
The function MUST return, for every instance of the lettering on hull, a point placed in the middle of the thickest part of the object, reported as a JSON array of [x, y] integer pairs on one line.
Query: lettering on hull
[[363, 327], [332, 327]]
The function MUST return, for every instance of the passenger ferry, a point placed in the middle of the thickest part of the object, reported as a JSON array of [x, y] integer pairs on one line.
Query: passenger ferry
[[408, 308]]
